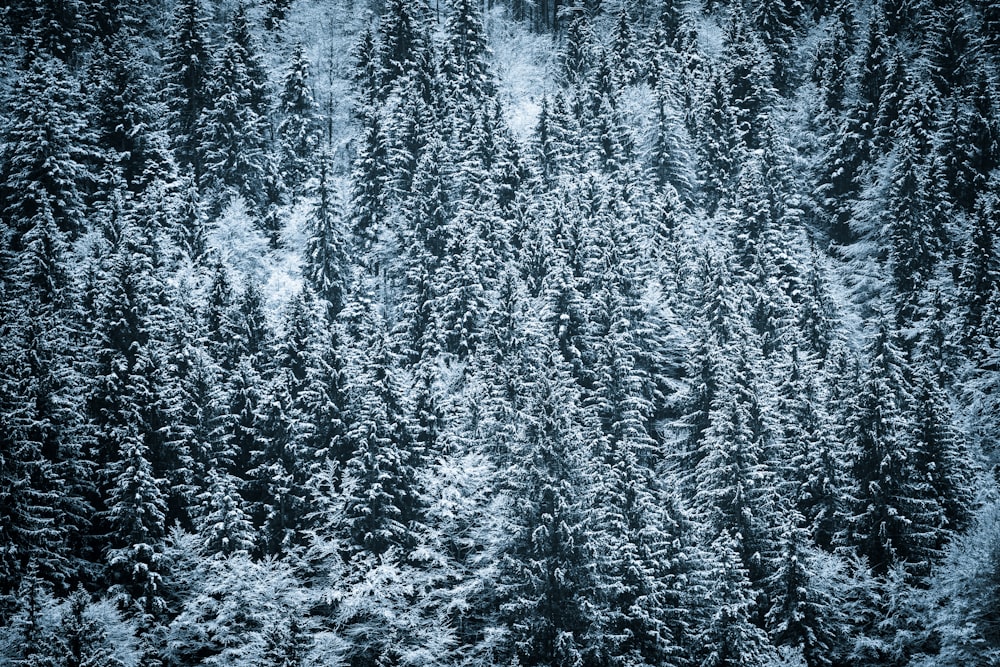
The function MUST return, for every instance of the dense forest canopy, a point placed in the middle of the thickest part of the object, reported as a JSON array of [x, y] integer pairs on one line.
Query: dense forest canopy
[[551, 333]]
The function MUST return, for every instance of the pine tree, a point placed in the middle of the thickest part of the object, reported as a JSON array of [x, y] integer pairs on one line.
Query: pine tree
[[735, 486], [719, 141], [128, 123], [194, 398], [402, 40], [186, 67], [803, 614], [370, 180], [122, 402], [641, 575], [893, 518], [816, 315], [136, 517], [299, 131], [811, 461], [61, 28], [830, 69], [915, 235], [777, 22], [578, 51], [325, 266], [242, 434], [729, 637], [466, 52], [547, 573], [324, 404], [44, 477], [951, 49], [367, 73], [749, 75], [232, 131], [45, 153], [981, 270], [850, 146], [277, 11], [942, 461], [381, 491], [224, 525]]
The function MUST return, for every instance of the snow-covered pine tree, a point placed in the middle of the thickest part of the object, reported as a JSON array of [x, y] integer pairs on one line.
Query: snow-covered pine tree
[[381, 489], [300, 129], [187, 64], [893, 518], [326, 267], [233, 128], [46, 151], [126, 116], [547, 575]]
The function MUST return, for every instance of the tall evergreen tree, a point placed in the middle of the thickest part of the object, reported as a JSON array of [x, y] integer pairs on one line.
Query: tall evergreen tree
[[381, 491], [45, 152], [325, 265], [233, 129], [466, 52], [893, 517], [547, 573], [127, 120], [187, 63], [300, 129]]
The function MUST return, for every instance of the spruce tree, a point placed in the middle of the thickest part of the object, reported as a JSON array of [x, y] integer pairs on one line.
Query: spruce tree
[[466, 52], [233, 129], [300, 129], [893, 518], [45, 153], [729, 636], [128, 122], [369, 196], [381, 491], [187, 63], [749, 72], [804, 614], [547, 572], [223, 526], [325, 267]]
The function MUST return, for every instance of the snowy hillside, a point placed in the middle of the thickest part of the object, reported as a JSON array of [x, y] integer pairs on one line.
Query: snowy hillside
[[552, 333]]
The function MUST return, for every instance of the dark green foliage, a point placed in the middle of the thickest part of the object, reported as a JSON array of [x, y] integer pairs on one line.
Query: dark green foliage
[[128, 121], [233, 129], [45, 152], [553, 358], [300, 130], [547, 573], [895, 518], [187, 64]]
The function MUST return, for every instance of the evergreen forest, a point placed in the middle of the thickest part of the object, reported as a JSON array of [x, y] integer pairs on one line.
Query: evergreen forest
[[500, 333]]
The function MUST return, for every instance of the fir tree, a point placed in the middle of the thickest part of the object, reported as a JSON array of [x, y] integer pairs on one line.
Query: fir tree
[[547, 574], [893, 517], [128, 122], [187, 64], [45, 152], [466, 52], [325, 265], [224, 525], [803, 615], [299, 130], [381, 491], [233, 129]]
